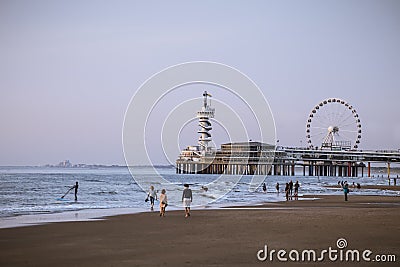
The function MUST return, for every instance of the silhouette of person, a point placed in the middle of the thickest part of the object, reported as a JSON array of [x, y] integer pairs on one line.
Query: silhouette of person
[[345, 190], [291, 187], [76, 190], [287, 189], [296, 189]]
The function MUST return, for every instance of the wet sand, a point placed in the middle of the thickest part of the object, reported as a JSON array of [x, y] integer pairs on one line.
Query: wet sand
[[224, 237]]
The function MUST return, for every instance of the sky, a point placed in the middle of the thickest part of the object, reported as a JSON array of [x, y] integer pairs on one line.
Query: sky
[[68, 69]]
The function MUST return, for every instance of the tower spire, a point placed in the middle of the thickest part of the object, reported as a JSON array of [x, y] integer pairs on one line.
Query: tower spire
[[204, 116]]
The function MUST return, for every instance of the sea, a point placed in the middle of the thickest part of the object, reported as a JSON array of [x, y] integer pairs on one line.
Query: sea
[[32, 195]]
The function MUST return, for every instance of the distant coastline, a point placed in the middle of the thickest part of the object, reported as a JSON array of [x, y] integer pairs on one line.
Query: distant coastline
[[67, 164]]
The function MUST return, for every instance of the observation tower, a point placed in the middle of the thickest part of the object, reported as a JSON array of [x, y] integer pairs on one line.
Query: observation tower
[[239, 158], [204, 116]]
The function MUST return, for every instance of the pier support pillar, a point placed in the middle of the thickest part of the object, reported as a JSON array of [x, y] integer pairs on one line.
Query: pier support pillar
[[369, 169]]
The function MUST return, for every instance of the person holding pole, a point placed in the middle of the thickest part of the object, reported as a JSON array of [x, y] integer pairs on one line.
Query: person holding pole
[[76, 191]]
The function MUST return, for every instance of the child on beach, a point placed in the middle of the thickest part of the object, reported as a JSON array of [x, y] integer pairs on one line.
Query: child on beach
[[152, 194], [163, 202]]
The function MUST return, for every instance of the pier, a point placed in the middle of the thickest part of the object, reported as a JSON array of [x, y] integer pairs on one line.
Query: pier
[[332, 163], [334, 156], [254, 158]]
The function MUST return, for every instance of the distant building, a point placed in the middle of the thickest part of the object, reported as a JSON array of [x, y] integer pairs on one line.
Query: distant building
[[64, 164]]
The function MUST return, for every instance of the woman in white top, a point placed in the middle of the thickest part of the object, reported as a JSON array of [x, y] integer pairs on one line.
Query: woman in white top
[[163, 202], [152, 194]]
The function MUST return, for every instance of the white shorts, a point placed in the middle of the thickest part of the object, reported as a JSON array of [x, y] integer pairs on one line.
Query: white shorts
[[186, 202]]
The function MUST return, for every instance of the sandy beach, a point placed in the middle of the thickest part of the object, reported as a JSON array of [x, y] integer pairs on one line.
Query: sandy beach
[[224, 237]]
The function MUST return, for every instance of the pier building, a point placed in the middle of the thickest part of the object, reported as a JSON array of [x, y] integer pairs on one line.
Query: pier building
[[335, 156]]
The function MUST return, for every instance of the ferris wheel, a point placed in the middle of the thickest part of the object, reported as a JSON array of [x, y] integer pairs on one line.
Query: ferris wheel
[[333, 124]]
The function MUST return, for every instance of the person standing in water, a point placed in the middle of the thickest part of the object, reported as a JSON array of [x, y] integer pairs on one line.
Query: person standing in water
[[187, 198], [264, 187], [152, 194], [277, 187], [76, 191]]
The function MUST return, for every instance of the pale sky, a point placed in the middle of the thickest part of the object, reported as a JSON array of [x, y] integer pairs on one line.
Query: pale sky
[[68, 69]]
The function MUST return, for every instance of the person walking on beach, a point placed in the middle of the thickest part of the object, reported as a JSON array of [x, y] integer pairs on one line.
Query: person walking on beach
[[296, 190], [345, 190], [291, 187], [152, 194], [264, 187], [187, 198], [76, 191], [163, 202], [277, 188], [287, 191]]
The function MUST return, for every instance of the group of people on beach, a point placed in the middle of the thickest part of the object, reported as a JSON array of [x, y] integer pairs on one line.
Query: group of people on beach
[[187, 198], [346, 189], [354, 185], [288, 189]]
